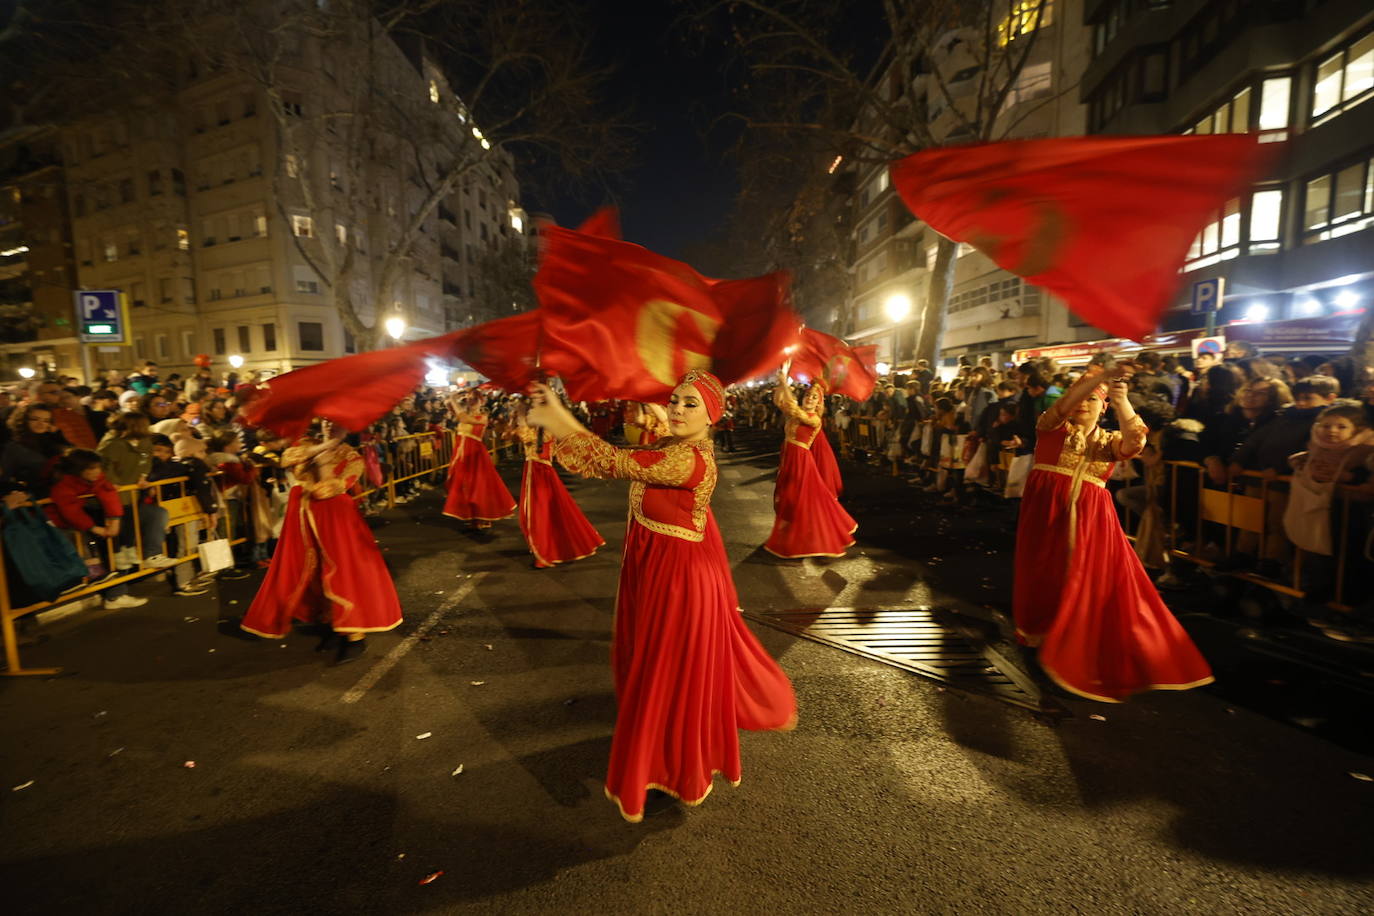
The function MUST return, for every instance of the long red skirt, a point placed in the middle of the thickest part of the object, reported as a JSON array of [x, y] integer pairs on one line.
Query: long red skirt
[[826, 465], [551, 521], [809, 521], [688, 672], [327, 569], [476, 492], [1102, 629]]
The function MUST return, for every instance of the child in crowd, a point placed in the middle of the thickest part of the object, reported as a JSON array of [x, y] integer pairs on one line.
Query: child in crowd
[[273, 481], [166, 465], [1333, 465], [84, 500], [237, 486]]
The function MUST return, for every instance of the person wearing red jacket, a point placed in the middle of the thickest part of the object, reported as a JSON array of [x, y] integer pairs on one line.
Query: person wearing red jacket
[[81, 477]]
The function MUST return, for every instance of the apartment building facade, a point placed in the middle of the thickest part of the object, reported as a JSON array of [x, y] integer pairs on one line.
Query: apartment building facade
[[1301, 245], [36, 266], [225, 238], [990, 311]]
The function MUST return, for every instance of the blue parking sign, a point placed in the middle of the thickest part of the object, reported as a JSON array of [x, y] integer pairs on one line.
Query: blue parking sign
[[1208, 295], [100, 315]]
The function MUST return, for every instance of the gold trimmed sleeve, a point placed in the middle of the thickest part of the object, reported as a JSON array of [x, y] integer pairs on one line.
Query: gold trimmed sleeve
[[1131, 439], [591, 456]]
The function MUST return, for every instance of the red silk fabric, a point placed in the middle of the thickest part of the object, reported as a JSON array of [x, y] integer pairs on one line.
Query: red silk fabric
[[476, 492], [620, 321], [1102, 629], [326, 569], [1104, 222], [554, 527], [809, 521], [851, 371]]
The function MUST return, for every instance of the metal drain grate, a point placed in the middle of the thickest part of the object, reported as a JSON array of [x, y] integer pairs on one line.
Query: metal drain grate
[[924, 641]]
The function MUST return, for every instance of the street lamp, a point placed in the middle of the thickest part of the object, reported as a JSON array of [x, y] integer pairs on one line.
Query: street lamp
[[26, 372], [882, 368], [898, 307], [396, 327], [236, 361]]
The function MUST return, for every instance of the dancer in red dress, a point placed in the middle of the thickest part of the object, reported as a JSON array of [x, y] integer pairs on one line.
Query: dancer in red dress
[[809, 522], [1081, 593], [823, 454], [688, 672], [476, 492], [327, 569], [553, 525]]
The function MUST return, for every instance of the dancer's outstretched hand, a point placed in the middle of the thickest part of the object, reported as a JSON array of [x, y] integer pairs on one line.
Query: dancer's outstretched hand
[[547, 411]]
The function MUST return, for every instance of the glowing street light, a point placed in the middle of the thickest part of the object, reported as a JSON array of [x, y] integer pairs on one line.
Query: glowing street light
[[1309, 307], [1257, 312], [882, 368], [897, 306], [1347, 299], [396, 327], [236, 361], [26, 372]]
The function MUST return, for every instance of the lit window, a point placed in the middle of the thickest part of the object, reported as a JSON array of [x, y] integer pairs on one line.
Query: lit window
[[1344, 79], [1266, 220], [434, 92], [183, 239], [1274, 106], [1025, 17], [341, 233], [260, 225], [1339, 203], [111, 250], [302, 226], [517, 223], [292, 170]]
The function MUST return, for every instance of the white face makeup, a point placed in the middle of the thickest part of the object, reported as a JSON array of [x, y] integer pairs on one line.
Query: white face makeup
[[687, 416]]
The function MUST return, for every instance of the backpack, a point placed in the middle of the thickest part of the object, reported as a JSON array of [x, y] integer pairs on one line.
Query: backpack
[[45, 561]]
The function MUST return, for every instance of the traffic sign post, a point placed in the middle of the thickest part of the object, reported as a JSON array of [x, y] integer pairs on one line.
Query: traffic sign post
[[1207, 299], [101, 318]]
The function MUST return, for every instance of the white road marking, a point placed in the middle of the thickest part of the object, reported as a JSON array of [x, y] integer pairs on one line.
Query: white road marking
[[390, 660]]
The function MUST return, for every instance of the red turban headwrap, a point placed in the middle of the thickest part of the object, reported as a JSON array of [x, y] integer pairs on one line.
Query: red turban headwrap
[[711, 390]]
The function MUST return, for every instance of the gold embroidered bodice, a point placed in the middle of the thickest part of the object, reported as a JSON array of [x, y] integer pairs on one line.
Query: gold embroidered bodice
[[529, 440], [326, 475], [671, 482], [801, 425]]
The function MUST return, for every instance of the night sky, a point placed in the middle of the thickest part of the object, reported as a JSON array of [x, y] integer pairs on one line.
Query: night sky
[[680, 188]]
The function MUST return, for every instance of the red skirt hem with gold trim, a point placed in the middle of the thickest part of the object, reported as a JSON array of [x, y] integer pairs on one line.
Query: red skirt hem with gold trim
[[809, 521], [476, 491], [553, 525], [1103, 631], [689, 674], [326, 569]]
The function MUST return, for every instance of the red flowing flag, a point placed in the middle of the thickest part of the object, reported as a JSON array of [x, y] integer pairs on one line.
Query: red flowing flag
[[851, 371], [356, 391], [504, 350], [620, 321], [1104, 222]]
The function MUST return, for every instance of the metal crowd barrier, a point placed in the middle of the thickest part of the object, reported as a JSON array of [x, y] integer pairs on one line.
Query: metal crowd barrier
[[182, 510], [405, 458]]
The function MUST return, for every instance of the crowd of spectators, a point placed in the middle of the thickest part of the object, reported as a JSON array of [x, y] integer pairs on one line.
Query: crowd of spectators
[[1261, 427]]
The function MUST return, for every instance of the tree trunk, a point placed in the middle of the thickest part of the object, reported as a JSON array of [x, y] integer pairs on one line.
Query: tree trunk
[[928, 345]]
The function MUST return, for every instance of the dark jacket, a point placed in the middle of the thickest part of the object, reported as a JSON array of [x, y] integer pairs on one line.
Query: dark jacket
[[1225, 433], [1268, 447], [197, 484]]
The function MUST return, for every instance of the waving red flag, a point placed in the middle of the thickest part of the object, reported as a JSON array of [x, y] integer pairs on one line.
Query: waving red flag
[[620, 321], [352, 391], [1104, 222], [504, 350], [851, 371], [356, 391]]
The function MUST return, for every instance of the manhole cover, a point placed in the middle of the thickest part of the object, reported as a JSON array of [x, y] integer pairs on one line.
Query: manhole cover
[[935, 644]]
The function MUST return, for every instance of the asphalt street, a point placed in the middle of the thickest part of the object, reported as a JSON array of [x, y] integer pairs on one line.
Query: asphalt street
[[470, 744]]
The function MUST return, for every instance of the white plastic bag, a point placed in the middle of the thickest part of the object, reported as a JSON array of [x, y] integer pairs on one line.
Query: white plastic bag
[[1016, 476], [216, 555]]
